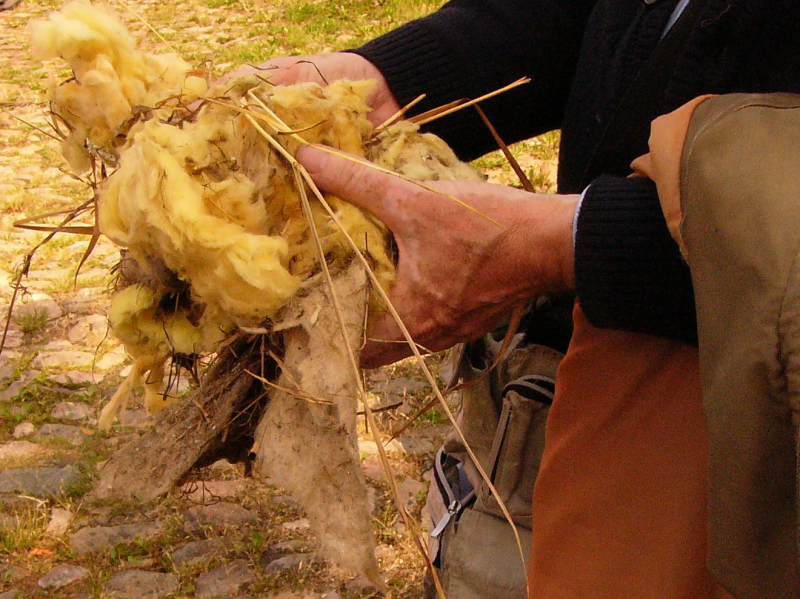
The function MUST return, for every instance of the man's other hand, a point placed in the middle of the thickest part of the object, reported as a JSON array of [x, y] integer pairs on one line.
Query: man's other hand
[[324, 68]]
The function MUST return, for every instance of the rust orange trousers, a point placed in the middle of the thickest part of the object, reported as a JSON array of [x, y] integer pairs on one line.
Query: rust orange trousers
[[619, 507]]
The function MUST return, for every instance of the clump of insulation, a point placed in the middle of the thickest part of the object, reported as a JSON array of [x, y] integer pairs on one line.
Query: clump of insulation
[[206, 193], [418, 156], [221, 210], [112, 80], [153, 333], [206, 208]]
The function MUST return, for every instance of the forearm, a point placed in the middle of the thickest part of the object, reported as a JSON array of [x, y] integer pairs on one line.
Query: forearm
[[629, 272], [471, 47]]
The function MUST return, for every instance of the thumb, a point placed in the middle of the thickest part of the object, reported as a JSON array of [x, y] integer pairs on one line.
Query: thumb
[[347, 177]]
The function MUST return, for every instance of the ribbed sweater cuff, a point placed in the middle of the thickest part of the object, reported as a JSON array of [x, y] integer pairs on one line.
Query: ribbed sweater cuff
[[630, 275]]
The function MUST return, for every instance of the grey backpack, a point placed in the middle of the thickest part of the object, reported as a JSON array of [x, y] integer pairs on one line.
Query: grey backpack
[[502, 415]]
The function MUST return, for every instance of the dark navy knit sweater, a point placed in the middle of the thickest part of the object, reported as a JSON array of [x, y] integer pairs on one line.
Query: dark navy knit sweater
[[584, 57]]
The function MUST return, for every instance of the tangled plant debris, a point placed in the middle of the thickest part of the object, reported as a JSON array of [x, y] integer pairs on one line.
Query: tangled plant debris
[[222, 260]]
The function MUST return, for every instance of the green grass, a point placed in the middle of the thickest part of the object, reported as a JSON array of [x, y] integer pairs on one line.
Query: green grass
[[541, 151], [24, 531], [35, 402], [221, 3], [297, 27], [249, 53], [32, 321], [433, 417], [82, 486], [68, 283]]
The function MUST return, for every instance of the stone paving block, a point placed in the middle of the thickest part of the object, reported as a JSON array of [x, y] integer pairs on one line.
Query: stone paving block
[[62, 575], [140, 584], [74, 435], [71, 410], [226, 580], [93, 539], [38, 482]]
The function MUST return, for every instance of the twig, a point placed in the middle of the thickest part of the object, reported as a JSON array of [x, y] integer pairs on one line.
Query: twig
[[39, 129], [293, 392], [523, 179], [279, 127], [397, 115], [502, 90], [428, 375], [301, 175]]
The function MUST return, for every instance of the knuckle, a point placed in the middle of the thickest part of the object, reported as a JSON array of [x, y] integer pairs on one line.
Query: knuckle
[[351, 177]]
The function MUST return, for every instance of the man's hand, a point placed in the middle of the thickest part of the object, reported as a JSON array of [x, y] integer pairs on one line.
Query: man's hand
[[324, 68], [458, 273]]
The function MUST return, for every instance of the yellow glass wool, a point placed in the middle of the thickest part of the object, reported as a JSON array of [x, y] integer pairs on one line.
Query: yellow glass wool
[[111, 76], [419, 156], [202, 192]]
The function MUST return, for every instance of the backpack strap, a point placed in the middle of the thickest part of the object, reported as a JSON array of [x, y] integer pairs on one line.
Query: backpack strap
[[533, 386]]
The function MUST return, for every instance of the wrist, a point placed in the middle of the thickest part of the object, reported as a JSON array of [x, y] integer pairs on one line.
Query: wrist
[[549, 239], [564, 240]]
